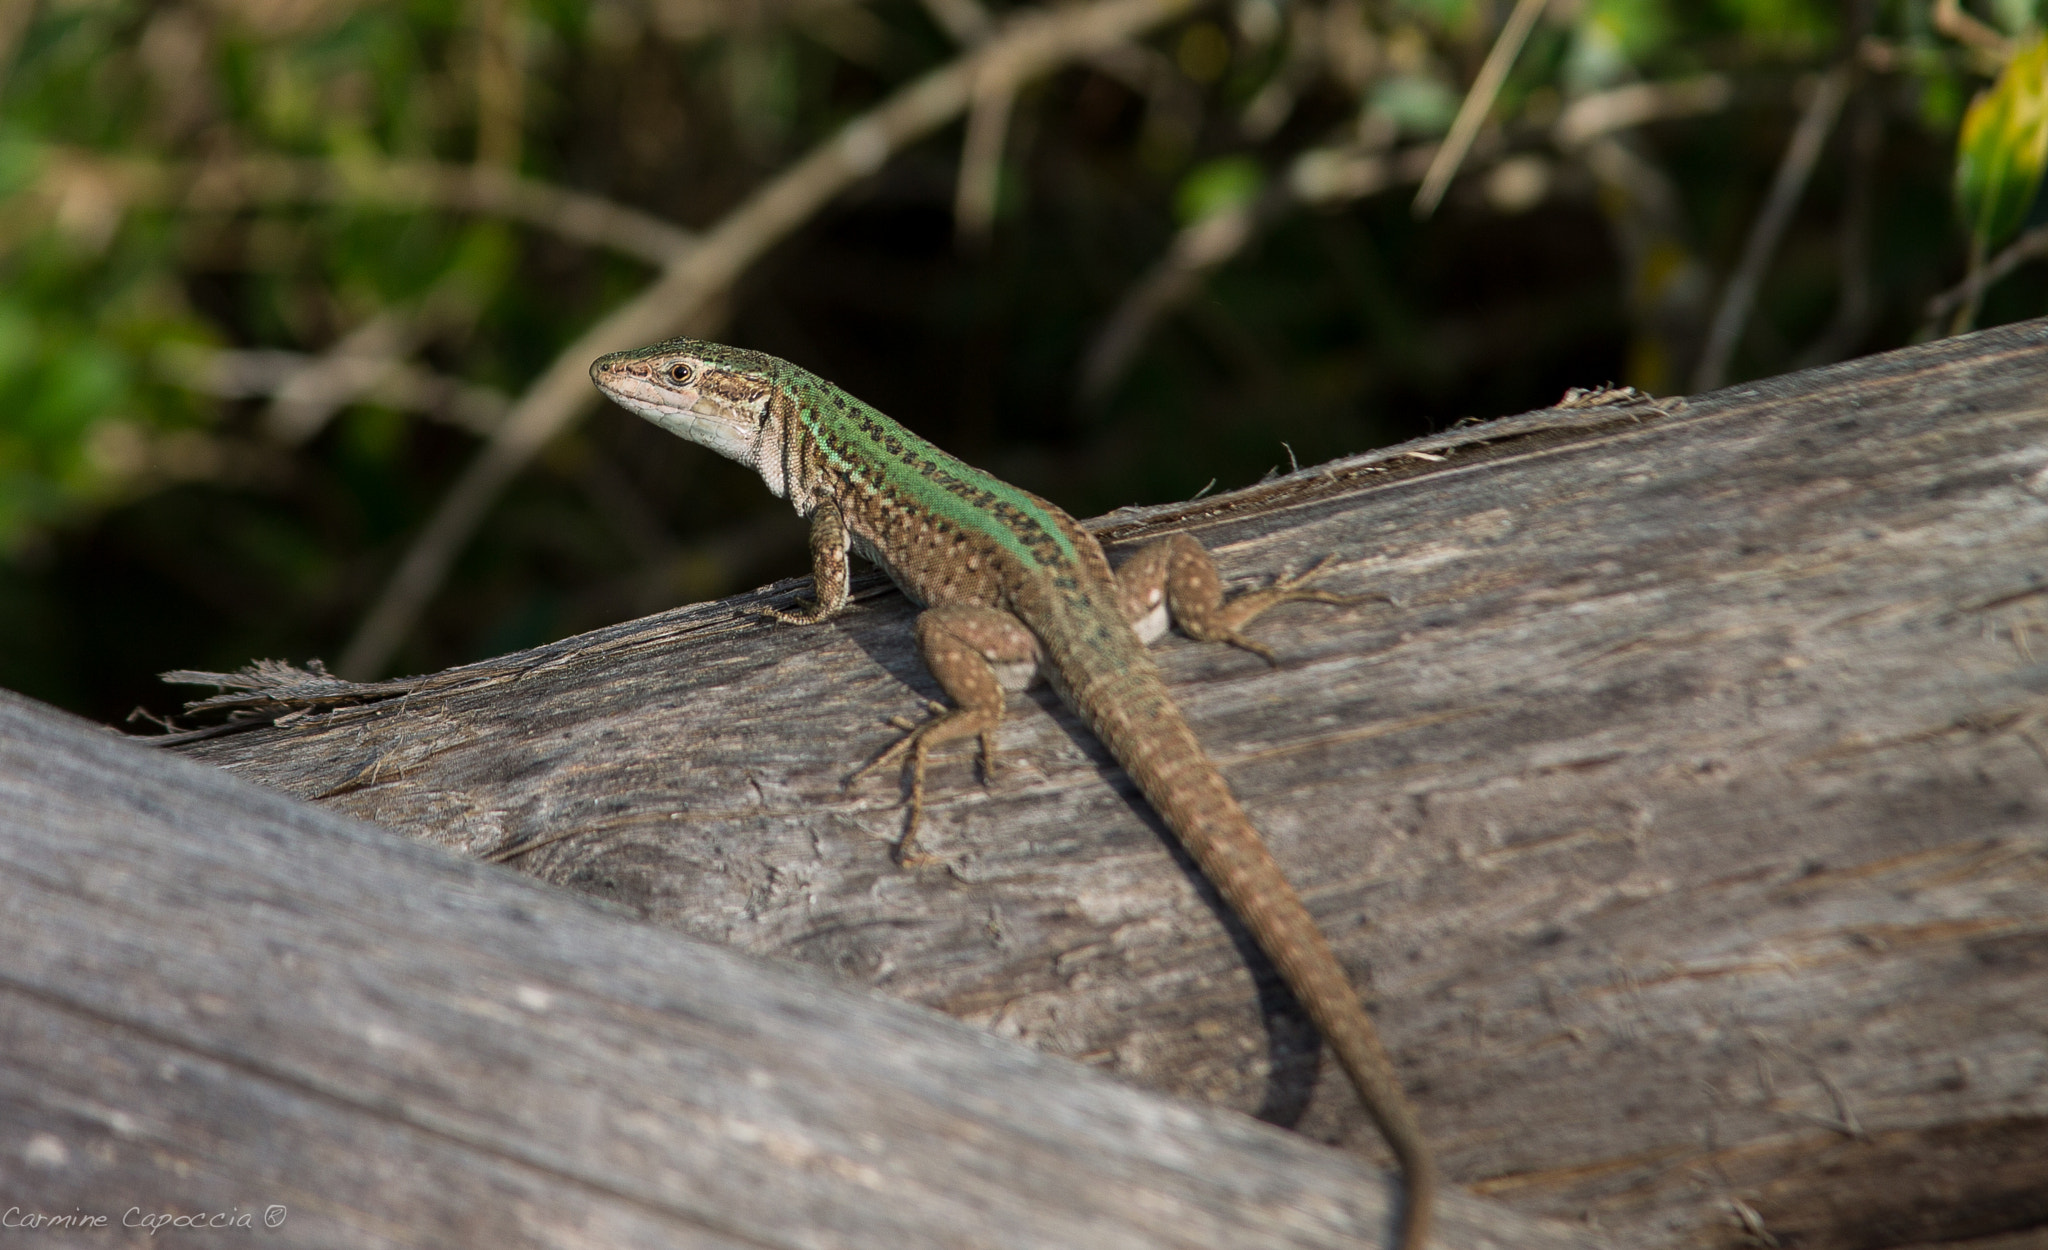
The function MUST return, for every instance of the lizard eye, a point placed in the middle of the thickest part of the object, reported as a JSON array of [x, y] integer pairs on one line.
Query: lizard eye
[[680, 373]]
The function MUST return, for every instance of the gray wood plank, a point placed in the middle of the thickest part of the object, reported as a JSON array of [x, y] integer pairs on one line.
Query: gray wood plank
[[1682, 809], [218, 1002]]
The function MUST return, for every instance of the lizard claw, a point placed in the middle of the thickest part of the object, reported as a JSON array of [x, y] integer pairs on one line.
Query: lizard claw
[[1296, 588], [912, 744], [1228, 624], [912, 730]]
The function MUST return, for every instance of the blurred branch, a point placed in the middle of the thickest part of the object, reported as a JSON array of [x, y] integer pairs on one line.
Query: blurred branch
[[308, 396], [1856, 307], [260, 374], [1334, 174], [1319, 176], [1478, 102], [81, 186], [988, 122], [1638, 104], [1196, 250], [1667, 285], [1030, 45], [1951, 20], [981, 166], [136, 457], [2029, 246], [1796, 166], [352, 367], [500, 84], [1269, 107], [1965, 319], [1328, 38], [14, 19], [966, 22]]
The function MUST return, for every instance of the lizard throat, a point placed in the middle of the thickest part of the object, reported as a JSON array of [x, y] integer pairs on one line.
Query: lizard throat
[[730, 438]]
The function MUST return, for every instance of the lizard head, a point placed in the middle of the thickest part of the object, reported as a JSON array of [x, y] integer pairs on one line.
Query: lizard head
[[706, 392]]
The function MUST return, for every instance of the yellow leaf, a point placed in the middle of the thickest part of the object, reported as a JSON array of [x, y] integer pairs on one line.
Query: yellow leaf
[[2004, 145]]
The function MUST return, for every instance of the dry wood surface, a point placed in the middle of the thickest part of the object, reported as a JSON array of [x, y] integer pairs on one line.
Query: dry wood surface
[[1680, 806], [218, 1004]]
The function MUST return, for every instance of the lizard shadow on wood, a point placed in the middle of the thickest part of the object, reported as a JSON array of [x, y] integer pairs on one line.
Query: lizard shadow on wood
[[1294, 1049]]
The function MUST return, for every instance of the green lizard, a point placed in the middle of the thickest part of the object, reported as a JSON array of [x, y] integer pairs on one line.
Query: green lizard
[[1011, 585]]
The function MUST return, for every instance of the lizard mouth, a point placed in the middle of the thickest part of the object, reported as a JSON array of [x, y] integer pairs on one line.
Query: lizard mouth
[[686, 411]]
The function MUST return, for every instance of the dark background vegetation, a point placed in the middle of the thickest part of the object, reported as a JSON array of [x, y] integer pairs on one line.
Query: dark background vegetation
[[161, 507]]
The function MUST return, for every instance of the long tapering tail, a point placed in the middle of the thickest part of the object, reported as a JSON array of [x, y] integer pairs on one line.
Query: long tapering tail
[[1130, 711]]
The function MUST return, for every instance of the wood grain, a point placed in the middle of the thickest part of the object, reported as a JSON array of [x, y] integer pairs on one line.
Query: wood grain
[[219, 1002], [1681, 808]]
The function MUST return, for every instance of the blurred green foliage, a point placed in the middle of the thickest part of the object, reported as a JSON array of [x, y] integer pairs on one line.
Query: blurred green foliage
[[2003, 146], [1217, 186], [238, 369]]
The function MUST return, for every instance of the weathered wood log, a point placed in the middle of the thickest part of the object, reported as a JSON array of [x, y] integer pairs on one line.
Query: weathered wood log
[[219, 1004], [1682, 807]]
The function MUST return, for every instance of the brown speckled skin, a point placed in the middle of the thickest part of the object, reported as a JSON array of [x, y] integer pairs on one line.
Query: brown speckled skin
[[1011, 584]]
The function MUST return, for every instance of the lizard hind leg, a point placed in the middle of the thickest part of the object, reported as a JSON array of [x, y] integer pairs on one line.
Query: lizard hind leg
[[1178, 574], [962, 644]]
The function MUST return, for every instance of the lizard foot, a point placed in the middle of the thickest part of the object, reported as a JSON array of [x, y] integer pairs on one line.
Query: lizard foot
[[1238, 612], [945, 724]]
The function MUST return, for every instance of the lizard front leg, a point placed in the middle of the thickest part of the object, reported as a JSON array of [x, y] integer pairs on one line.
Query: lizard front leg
[[831, 574], [1175, 576], [961, 644]]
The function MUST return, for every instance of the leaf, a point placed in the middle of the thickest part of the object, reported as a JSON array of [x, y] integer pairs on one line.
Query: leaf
[[2004, 145], [1217, 187], [1416, 104]]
